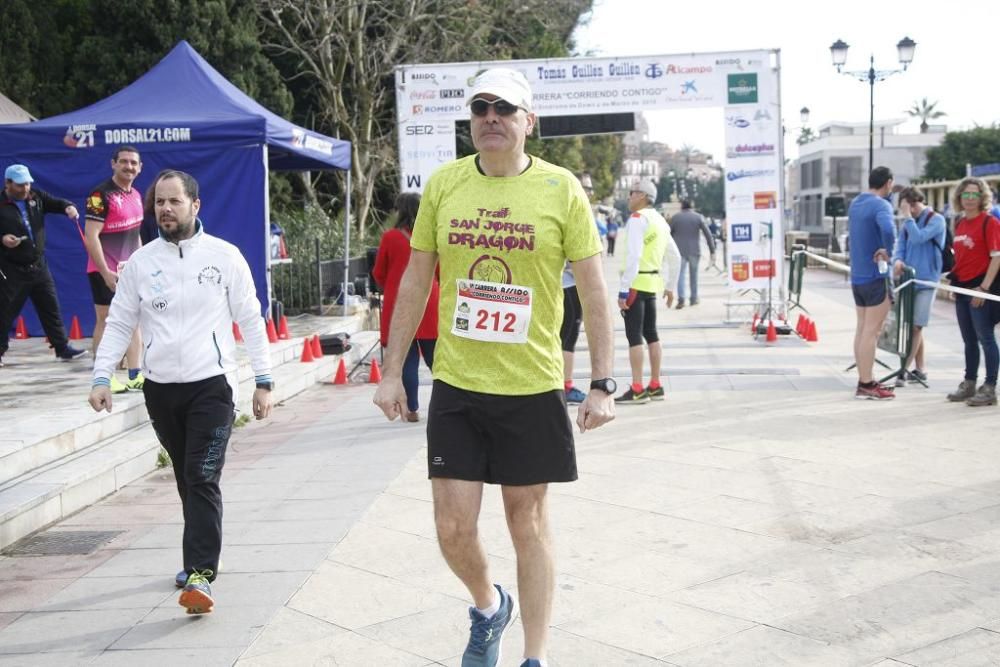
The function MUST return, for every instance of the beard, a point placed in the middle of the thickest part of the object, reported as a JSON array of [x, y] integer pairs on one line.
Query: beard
[[179, 232]]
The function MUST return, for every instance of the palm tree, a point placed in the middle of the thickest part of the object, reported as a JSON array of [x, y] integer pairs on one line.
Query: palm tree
[[925, 111]]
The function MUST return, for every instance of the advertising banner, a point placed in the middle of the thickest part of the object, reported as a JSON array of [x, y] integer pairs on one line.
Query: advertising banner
[[430, 98]]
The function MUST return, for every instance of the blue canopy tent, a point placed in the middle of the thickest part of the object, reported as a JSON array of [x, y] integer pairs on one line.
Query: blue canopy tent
[[182, 114]]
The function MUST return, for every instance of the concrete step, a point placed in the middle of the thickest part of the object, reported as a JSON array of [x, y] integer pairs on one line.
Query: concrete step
[[104, 452], [35, 440]]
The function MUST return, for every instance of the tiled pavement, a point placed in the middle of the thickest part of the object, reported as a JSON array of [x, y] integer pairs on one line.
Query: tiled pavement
[[759, 516]]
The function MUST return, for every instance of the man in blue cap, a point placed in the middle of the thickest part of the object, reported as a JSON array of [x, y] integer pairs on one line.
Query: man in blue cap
[[23, 272]]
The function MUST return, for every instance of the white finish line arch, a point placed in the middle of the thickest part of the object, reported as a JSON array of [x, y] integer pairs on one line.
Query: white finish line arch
[[431, 97]]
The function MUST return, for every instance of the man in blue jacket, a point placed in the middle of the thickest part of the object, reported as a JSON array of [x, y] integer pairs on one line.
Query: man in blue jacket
[[872, 233], [919, 245]]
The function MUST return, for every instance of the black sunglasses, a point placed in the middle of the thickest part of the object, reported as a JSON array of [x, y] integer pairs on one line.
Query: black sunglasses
[[481, 107]]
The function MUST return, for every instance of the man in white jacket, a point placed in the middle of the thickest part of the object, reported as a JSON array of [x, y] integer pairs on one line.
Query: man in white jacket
[[184, 290], [650, 266]]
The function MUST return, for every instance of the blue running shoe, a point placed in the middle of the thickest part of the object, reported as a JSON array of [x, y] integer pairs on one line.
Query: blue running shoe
[[486, 634], [197, 594], [181, 578], [574, 396], [531, 662]]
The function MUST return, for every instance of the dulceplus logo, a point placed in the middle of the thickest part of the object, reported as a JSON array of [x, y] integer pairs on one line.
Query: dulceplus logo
[[742, 88]]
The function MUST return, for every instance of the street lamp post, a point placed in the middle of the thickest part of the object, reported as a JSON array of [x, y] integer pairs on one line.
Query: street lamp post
[[838, 50]]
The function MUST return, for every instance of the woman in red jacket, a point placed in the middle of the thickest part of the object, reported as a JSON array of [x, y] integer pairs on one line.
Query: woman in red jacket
[[390, 263], [977, 263]]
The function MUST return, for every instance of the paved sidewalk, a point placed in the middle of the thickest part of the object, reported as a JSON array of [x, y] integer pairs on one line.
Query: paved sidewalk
[[758, 516]]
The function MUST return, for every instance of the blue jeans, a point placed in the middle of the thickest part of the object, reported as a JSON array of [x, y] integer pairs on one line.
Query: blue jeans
[[411, 366], [689, 262], [976, 325]]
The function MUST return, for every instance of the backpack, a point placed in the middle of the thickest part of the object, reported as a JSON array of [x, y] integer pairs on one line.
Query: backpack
[[947, 251]]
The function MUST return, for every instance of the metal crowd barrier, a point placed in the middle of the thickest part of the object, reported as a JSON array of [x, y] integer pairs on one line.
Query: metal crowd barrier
[[897, 332]]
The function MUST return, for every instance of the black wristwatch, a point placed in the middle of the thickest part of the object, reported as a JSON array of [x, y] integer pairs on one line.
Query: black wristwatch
[[607, 385], [266, 385]]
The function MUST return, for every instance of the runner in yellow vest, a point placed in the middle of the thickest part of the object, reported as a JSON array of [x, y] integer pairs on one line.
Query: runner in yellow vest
[[651, 265]]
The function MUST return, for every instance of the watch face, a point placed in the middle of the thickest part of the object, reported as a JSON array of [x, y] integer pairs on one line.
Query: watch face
[[607, 385]]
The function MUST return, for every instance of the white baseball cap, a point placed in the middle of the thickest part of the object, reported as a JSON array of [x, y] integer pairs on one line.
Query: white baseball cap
[[505, 83], [647, 188]]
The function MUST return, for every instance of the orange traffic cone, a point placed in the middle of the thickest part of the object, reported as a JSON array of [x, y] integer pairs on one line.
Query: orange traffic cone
[[811, 335], [307, 352], [341, 375], [772, 333], [22, 330], [376, 375], [236, 333], [272, 335], [798, 324], [74, 329], [317, 347], [283, 328]]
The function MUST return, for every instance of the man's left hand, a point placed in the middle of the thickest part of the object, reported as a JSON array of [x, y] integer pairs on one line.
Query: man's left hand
[[669, 296], [72, 213], [596, 410], [262, 403]]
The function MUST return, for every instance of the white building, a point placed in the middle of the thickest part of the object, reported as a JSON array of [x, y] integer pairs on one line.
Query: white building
[[836, 163]]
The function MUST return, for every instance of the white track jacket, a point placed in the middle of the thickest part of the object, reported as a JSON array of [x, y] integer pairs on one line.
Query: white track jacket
[[185, 297]]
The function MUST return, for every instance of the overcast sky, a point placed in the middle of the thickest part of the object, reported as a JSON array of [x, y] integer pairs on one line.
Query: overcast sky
[[956, 51]]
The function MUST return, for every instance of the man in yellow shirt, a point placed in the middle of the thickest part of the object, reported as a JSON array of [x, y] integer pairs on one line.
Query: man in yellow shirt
[[502, 224], [650, 266]]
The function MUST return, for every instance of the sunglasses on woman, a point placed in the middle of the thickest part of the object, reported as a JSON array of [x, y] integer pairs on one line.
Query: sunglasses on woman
[[972, 195], [481, 107]]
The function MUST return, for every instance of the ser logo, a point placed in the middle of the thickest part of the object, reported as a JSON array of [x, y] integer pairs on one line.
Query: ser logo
[[419, 130]]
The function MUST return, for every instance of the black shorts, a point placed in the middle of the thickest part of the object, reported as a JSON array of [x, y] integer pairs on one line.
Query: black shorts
[[870, 294], [510, 440], [572, 312], [640, 319], [102, 295]]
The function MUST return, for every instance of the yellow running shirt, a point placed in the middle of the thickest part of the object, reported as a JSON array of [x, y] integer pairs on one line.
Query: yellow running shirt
[[502, 243]]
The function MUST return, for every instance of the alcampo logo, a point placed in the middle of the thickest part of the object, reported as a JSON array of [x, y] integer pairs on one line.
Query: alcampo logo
[[742, 88], [748, 173]]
